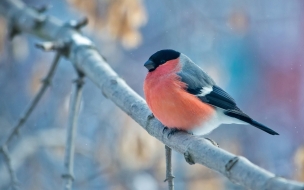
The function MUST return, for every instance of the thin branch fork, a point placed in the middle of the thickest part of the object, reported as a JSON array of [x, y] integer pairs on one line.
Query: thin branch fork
[[52, 46], [42, 8], [46, 83], [87, 60], [8, 161], [15, 131], [72, 131]]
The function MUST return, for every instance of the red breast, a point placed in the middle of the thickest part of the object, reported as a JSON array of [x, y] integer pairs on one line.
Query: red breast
[[169, 101]]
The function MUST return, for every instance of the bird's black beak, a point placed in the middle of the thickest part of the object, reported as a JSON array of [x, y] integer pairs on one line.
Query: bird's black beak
[[150, 65]]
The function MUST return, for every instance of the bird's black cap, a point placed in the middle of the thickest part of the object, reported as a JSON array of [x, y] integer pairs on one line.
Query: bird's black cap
[[160, 58]]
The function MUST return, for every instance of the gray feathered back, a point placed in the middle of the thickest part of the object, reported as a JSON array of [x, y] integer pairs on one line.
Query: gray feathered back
[[193, 75]]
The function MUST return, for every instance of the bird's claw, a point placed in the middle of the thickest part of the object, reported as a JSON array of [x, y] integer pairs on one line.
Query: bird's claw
[[189, 132], [165, 129], [172, 132]]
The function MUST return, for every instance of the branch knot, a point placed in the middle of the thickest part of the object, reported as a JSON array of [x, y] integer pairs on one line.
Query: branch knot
[[61, 47], [68, 176], [42, 8], [78, 24], [189, 158], [169, 178], [231, 163]]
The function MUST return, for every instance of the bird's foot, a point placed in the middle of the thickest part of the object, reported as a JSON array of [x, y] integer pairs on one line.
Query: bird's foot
[[212, 141], [165, 129], [172, 131]]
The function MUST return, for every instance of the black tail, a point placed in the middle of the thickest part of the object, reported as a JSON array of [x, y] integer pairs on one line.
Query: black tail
[[243, 117], [263, 127]]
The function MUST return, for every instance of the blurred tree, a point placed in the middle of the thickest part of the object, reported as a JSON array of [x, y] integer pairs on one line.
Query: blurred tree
[[119, 19], [248, 47]]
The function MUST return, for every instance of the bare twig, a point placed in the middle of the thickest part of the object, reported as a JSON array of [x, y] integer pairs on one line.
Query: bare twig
[[51, 46], [28, 145], [7, 158], [169, 173], [87, 59], [42, 8], [46, 83], [71, 134], [78, 24]]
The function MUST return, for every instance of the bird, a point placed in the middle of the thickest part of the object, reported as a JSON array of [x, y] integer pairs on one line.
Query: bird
[[184, 97]]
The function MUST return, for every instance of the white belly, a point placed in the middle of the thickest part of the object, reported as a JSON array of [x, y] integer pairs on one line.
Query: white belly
[[215, 121]]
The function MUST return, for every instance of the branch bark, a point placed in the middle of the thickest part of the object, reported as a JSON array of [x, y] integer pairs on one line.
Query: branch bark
[[85, 57], [169, 173]]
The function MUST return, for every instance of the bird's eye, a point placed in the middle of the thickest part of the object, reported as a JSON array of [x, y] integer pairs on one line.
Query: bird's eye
[[162, 61]]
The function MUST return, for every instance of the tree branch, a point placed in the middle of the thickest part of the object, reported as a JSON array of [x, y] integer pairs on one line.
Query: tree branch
[[71, 134], [46, 83], [7, 158], [85, 57], [15, 131], [169, 173]]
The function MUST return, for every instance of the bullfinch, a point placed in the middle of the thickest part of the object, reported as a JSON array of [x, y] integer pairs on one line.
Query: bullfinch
[[182, 96]]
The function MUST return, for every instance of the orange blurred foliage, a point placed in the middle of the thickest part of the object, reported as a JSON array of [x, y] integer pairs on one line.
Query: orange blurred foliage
[[137, 149], [214, 184], [238, 21], [299, 164], [121, 19]]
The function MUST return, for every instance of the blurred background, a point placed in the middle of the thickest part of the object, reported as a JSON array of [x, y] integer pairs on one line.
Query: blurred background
[[253, 50]]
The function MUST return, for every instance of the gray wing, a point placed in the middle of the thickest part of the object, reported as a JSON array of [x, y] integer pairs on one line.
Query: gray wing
[[195, 77], [196, 80]]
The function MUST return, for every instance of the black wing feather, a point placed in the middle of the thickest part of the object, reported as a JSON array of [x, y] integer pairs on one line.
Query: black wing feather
[[219, 98]]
